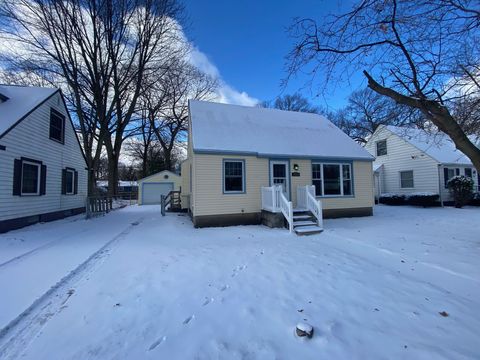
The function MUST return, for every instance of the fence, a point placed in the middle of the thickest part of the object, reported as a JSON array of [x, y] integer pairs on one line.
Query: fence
[[98, 205]]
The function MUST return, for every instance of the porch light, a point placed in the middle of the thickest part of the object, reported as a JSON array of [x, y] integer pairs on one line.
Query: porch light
[[295, 167]]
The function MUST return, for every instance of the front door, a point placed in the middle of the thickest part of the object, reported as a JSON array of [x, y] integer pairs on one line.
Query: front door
[[279, 176]]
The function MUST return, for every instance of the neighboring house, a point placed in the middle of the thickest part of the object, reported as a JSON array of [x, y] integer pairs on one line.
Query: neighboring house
[[43, 173], [235, 151], [125, 189], [412, 160], [151, 188]]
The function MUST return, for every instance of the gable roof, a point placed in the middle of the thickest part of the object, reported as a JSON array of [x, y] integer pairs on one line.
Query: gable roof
[[222, 128], [20, 101], [437, 145], [170, 173]]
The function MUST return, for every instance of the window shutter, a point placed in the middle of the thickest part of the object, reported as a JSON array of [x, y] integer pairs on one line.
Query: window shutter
[[75, 184], [43, 180], [445, 176], [64, 181], [17, 177]]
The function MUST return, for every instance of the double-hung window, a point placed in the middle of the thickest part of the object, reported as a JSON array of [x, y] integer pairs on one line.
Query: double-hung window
[[30, 178], [69, 181], [233, 176], [449, 173], [332, 179], [406, 179], [469, 172], [57, 126], [381, 147]]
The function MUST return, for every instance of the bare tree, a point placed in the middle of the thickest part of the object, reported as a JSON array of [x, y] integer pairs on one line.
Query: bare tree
[[420, 53], [366, 110], [295, 102], [141, 147], [102, 49], [167, 104]]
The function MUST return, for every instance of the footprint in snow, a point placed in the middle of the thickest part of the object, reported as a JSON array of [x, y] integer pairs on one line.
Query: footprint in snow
[[207, 301], [157, 342], [224, 287], [188, 319]]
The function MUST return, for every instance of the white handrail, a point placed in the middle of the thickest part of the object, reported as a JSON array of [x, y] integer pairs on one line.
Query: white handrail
[[287, 209], [314, 205], [274, 200]]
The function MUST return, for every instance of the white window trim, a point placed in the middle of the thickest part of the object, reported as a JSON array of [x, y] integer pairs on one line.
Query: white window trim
[[376, 147], [400, 178], [39, 173], [73, 182], [341, 180], [244, 180]]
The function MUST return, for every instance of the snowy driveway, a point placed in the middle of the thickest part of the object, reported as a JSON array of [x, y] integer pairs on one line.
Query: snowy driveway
[[134, 285]]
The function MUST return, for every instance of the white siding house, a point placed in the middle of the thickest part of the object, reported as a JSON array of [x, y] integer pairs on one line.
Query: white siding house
[[43, 173], [411, 161]]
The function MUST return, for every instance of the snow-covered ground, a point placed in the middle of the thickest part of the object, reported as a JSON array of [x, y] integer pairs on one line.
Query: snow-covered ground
[[134, 285]]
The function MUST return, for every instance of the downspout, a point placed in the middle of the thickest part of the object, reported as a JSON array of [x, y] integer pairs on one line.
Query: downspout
[[440, 168]]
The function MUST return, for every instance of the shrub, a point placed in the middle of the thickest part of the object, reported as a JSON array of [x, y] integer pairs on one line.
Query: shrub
[[475, 201], [392, 199], [423, 199], [461, 188]]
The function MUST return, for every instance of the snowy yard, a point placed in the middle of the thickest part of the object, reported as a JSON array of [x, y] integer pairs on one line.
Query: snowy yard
[[134, 285]]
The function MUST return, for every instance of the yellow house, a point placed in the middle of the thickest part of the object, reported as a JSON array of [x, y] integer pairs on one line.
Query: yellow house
[[247, 165]]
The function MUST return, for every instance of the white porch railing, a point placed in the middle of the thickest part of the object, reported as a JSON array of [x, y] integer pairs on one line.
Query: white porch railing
[[306, 200], [274, 200]]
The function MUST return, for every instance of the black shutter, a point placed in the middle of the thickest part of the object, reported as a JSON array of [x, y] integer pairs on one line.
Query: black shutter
[[75, 183], [43, 180], [64, 181], [445, 177], [17, 177]]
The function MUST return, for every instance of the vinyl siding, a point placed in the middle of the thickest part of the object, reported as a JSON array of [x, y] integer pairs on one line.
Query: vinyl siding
[[159, 178], [185, 195], [30, 138], [363, 189], [402, 156], [209, 198]]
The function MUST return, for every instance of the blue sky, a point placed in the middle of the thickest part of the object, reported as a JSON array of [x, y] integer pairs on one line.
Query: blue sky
[[246, 41]]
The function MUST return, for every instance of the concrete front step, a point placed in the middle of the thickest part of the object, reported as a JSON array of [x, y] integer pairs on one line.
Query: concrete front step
[[308, 230]]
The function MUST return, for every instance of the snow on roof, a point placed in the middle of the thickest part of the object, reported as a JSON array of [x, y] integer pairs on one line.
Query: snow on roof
[[436, 145], [104, 183], [268, 132], [377, 167], [19, 101]]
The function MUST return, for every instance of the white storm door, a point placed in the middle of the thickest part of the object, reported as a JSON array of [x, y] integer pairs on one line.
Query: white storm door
[[279, 175]]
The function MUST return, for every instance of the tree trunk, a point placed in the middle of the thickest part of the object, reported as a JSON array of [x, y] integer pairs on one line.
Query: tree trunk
[[438, 114], [167, 153], [112, 174]]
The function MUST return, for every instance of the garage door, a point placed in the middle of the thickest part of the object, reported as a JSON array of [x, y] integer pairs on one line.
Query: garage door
[[151, 192]]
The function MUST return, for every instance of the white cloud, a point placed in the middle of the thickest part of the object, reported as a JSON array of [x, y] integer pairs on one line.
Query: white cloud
[[225, 93]]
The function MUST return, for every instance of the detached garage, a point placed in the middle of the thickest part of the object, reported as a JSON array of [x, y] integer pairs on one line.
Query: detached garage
[[152, 187]]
